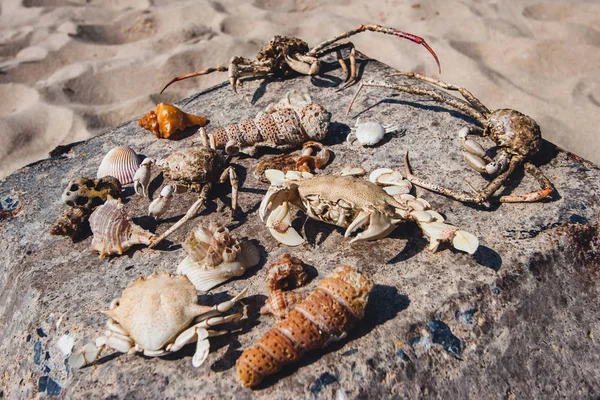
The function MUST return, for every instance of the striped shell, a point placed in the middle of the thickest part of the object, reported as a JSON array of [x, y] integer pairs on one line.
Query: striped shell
[[327, 314], [121, 162], [280, 303], [286, 273], [215, 256], [113, 230]]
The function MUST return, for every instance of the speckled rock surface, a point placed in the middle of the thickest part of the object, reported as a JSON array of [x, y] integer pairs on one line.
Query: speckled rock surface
[[519, 319]]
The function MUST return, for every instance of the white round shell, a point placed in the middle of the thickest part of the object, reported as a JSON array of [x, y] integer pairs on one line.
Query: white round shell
[[121, 162], [369, 133]]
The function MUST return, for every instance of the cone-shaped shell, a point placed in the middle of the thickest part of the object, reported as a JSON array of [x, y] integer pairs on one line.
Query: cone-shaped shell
[[121, 162], [280, 303], [167, 119], [113, 230]]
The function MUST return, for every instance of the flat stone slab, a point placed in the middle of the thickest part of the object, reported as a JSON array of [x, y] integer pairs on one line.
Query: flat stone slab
[[519, 319]]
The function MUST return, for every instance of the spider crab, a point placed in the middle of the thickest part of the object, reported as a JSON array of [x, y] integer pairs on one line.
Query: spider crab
[[353, 203], [157, 316], [284, 55], [517, 137]]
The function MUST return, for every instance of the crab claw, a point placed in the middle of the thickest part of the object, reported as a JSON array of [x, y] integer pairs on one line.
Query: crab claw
[[378, 225], [84, 356], [202, 348], [280, 226], [438, 232]]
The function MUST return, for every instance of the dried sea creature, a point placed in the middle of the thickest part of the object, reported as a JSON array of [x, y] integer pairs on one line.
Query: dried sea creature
[[304, 161], [158, 316], [326, 315], [121, 162], [284, 55], [113, 230], [167, 119], [141, 178], [283, 125], [286, 273], [160, 205], [72, 223], [281, 302], [517, 136], [370, 133], [90, 193], [353, 203], [215, 256]]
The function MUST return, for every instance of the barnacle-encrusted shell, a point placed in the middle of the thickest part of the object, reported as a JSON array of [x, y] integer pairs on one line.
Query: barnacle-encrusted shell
[[327, 314], [286, 273], [113, 230], [90, 193], [72, 223], [120, 162], [167, 119], [280, 303], [215, 256]]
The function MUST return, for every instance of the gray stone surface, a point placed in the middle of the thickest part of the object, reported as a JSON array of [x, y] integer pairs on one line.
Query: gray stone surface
[[519, 319]]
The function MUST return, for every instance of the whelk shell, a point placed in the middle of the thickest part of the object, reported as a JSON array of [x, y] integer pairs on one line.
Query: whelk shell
[[167, 119], [121, 162]]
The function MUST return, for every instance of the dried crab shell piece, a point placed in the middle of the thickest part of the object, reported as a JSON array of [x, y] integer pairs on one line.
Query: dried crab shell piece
[[327, 314], [121, 162], [113, 230], [214, 256], [167, 119], [280, 303], [286, 273]]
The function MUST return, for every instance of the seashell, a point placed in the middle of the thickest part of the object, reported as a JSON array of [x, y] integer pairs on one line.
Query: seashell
[[280, 303], [72, 223], [327, 314], [90, 193], [141, 178], [120, 162], [167, 119], [214, 256], [379, 171], [161, 204], [113, 230], [286, 273], [353, 171], [403, 187]]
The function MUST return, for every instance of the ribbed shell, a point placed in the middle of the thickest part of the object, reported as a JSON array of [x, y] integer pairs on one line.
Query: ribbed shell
[[280, 303], [113, 230], [120, 162], [286, 273], [330, 311]]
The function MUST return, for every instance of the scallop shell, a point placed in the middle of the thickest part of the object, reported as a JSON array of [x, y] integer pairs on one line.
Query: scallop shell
[[215, 256], [286, 273], [121, 162], [113, 230]]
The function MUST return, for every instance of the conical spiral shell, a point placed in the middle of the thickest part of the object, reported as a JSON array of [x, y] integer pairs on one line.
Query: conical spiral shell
[[280, 303], [121, 162], [113, 230], [328, 313], [167, 119], [286, 273]]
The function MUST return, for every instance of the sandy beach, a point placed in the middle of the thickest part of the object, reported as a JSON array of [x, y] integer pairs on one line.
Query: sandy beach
[[71, 69]]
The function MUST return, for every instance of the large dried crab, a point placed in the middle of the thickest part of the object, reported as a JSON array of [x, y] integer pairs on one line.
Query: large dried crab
[[284, 55], [517, 137], [157, 316], [353, 203]]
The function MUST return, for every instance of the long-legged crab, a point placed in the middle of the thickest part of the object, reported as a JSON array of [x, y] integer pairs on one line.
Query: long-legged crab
[[157, 316], [283, 55], [353, 203], [517, 137]]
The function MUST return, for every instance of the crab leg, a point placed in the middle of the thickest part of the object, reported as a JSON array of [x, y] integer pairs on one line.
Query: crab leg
[[220, 68], [380, 29], [546, 190], [233, 179]]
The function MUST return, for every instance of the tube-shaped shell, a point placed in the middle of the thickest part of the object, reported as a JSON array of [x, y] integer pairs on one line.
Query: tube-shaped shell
[[113, 230], [121, 162], [167, 119], [280, 303], [327, 314], [215, 256], [286, 273]]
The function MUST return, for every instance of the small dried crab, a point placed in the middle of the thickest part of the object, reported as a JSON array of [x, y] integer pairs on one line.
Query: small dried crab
[[517, 137], [352, 203], [167, 119], [370, 133], [305, 161], [157, 316], [197, 169], [283, 55]]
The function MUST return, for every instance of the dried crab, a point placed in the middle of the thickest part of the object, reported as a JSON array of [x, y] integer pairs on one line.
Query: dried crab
[[284, 55], [517, 137], [157, 316], [305, 161], [353, 203]]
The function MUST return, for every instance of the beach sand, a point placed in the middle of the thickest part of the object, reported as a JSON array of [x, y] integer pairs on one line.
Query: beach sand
[[70, 69]]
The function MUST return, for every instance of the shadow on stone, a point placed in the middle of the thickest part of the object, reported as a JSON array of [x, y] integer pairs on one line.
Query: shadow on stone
[[488, 258]]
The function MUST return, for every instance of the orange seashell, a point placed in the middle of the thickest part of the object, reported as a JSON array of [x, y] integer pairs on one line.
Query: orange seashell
[[167, 119], [286, 273], [327, 314], [280, 303]]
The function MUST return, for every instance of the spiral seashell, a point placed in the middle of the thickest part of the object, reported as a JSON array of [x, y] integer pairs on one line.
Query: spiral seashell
[[121, 162], [327, 314], [215, 256], [280, 303], [167, 119], [286, 273], [113, 230]]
